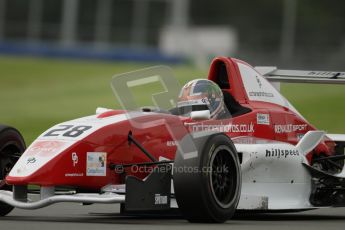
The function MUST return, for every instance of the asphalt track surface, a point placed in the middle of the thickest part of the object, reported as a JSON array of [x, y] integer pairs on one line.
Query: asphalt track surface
[[94, 217]]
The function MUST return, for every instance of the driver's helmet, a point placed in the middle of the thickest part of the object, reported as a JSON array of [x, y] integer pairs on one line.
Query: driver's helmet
[[201, 94]]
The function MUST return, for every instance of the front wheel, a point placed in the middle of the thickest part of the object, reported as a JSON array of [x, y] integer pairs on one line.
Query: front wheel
[[11, 147], [208, 185]]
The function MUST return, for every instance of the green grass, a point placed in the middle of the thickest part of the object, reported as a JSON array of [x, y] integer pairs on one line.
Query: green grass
[[37, 93], [321, 105]]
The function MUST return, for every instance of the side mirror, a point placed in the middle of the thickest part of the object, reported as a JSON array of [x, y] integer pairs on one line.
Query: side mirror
[[200, 115]]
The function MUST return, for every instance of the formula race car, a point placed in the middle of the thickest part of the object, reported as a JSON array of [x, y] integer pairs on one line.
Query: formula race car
[[259, 155]]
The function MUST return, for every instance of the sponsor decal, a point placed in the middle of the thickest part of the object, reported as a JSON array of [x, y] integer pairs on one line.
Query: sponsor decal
[[45, 148], [233, 128], [289, 128], [194, 102], [96, 164], [119, 169], [31, 160], [260, 94], [281, 153], [245, 140], [325, 73], [262, 119], [251, 140], [171, 143], [258, 81], [74, 159], [300, 136], [160, 199], [74, 174]]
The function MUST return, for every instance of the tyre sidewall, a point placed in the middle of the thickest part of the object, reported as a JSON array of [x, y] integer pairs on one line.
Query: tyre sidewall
[[9, 137], [192, 190], [208, 151]]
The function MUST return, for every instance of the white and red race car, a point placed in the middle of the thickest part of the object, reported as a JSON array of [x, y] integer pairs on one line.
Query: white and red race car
[[264, 157]]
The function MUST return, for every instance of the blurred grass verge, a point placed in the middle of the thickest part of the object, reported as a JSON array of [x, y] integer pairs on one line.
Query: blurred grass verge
[[37, 93]]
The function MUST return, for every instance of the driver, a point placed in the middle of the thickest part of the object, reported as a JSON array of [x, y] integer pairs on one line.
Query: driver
[[201, 94]]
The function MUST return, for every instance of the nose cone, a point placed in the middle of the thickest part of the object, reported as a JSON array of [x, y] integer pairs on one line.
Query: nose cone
[[37, 155]]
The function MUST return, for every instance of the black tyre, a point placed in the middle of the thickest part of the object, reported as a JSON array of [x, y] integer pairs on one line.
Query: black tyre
[[12, 146], [207, 186]]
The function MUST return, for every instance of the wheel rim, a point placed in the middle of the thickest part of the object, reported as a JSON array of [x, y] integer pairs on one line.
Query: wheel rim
[[223, 176]]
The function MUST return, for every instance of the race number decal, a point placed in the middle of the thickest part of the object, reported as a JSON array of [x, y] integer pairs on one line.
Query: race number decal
[[69, 131]]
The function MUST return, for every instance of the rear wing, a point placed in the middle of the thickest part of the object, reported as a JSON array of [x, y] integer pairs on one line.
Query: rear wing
[[273, 74]]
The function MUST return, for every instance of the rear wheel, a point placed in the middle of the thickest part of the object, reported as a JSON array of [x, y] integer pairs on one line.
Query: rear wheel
[[207, 186], [11, 147]]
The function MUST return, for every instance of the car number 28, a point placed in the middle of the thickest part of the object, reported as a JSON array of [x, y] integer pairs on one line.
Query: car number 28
[[68, 131]]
